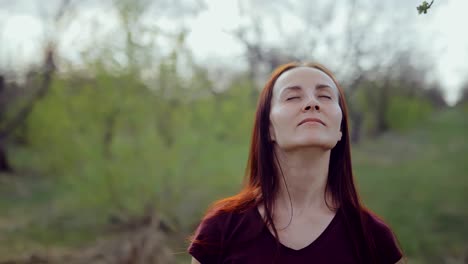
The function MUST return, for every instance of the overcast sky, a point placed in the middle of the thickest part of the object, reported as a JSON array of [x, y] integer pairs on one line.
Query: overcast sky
[[441, 31]]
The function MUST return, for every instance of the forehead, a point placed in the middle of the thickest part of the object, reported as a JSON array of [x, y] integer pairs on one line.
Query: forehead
[[303, 76]]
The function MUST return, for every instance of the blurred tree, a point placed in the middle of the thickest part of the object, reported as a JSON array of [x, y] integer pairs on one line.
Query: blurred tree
[[435, 95], [17, 119], [463, 97], [353, 54], [118, 123], [4, 162], [398, 92], [37, 86]]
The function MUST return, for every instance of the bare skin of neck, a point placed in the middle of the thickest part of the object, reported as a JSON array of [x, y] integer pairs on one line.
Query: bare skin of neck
[[305, 172], [305, 175]]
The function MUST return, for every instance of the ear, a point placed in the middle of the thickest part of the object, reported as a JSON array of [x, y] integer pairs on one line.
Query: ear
[[340, 135]]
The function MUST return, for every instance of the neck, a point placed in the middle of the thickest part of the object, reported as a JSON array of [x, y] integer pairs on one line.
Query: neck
[[305, 177]]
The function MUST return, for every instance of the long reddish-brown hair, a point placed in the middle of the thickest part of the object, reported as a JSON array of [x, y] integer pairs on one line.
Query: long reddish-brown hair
[[262, 178]]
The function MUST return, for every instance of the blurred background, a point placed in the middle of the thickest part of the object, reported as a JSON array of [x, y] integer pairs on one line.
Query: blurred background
[[122, 120]]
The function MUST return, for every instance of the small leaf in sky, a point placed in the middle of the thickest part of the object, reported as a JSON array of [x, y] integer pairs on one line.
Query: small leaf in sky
[[424, 7]]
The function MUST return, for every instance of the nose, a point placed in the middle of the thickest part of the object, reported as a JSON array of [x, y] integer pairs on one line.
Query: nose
[[311, 104]]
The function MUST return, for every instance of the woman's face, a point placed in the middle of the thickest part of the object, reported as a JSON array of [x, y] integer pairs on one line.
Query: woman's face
[[305, 110]]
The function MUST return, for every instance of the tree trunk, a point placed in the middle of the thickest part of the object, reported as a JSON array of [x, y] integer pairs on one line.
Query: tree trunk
[[7, 130], [5, 165], [356, 125], [382, 108]]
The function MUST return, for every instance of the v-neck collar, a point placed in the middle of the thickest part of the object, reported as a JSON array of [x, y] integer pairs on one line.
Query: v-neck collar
[[316, 241]]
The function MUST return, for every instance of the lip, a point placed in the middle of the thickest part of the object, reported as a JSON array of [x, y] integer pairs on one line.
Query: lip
[[317, 120]]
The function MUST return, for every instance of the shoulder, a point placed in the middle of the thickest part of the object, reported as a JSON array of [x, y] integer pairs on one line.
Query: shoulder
[[211, 227], [220, 229], [381, 231], [384, 238], [234, 224], [376, 223], [206, 243]]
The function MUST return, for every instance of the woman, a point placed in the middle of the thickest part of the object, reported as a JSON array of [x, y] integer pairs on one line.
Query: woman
[[299, 203]]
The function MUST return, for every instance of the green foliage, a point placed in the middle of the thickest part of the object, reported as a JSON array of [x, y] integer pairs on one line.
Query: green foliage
[[365, 101], [114, 143], [422, 9], [398, 105], [404, 112]]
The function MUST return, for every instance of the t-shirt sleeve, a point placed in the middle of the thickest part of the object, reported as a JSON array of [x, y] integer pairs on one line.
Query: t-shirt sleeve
[[206, 246], [387, 247]]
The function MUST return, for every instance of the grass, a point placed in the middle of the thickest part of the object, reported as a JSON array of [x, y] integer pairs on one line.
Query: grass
[[416, 180], [34, 218]]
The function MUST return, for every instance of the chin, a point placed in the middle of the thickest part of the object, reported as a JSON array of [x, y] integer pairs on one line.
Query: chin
[[311, 143], [322, 142], [321, 145]]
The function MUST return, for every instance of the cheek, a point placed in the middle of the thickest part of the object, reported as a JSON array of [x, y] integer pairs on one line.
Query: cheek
[[278, 120], [276, 117], [337, 117], [275, 124]]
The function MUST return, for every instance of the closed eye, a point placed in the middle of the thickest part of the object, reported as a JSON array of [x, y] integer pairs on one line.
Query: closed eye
[[291, 98], [325, 96]]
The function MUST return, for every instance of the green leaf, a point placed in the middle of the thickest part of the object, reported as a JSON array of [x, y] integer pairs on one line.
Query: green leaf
[[424, 7]]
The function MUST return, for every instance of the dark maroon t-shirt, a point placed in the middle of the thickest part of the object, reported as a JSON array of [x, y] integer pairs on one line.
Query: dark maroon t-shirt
[[245, 238]]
